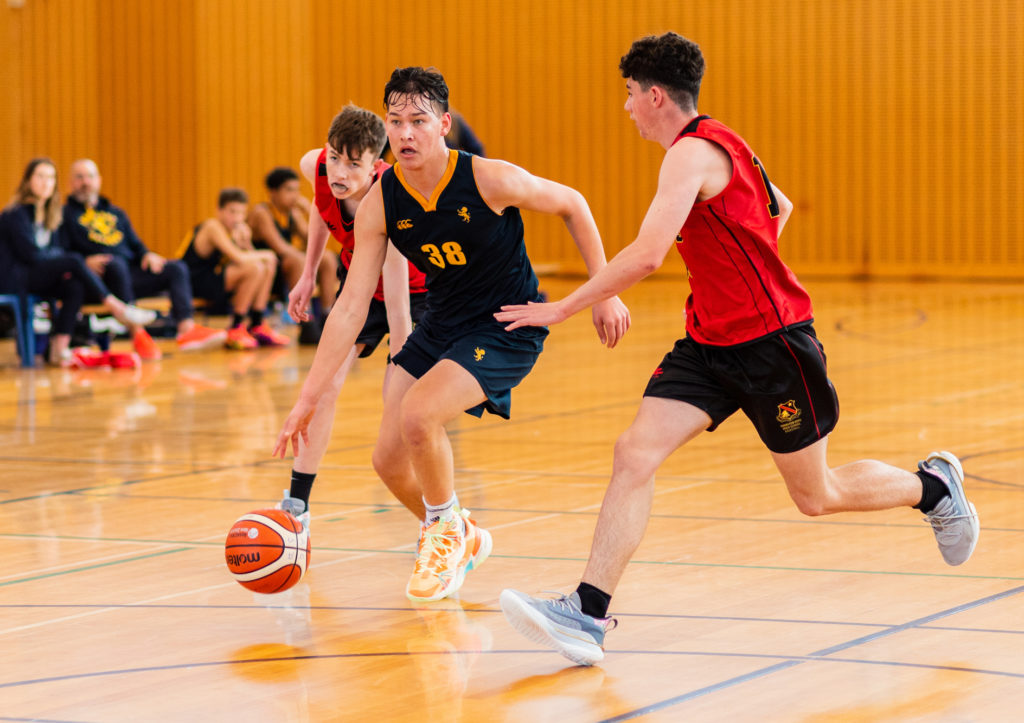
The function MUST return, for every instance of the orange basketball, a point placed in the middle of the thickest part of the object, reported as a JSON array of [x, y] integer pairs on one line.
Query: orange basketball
[[267, 550]]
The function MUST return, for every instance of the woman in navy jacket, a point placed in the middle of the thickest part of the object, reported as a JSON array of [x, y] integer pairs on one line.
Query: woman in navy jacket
[[34, 261]]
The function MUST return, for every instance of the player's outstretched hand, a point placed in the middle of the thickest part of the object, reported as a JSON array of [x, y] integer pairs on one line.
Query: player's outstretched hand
[[530, 314], [296, 426], [611, 319], [298, 299]]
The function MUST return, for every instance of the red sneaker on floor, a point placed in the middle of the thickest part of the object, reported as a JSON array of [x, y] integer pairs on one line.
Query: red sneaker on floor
[[123, 359], [145, 347], [88, 359], [200, 337], [266, 336]]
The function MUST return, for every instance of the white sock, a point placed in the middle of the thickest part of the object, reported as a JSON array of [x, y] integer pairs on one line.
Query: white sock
[[443, 511]]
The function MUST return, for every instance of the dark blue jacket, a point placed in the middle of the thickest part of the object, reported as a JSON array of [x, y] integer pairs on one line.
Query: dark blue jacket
[[18, 250], [101, 230]]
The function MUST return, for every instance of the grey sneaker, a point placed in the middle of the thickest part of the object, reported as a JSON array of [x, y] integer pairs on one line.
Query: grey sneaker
[[296, 508], [558, 623], [137, 316], [954, 519]]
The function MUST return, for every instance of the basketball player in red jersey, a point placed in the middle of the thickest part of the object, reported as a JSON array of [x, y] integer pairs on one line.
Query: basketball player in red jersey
[[749, 345], [342, 173]]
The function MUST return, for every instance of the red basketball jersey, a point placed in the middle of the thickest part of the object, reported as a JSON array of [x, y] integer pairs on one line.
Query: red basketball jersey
[[740, 288], [332, 211]]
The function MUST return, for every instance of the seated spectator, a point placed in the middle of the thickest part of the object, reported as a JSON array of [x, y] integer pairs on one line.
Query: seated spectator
[[223, 263], [102, 233], [281, 224], [33, 260]]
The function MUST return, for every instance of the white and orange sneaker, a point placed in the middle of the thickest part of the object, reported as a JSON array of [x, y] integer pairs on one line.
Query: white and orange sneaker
[[441, 561], [200, 337], [478, 543]]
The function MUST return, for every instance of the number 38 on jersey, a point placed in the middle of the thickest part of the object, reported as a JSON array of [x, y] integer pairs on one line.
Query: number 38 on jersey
[[450, 254]]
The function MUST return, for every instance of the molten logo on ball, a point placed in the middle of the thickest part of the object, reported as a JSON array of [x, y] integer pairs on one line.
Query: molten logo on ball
[[267, 551]]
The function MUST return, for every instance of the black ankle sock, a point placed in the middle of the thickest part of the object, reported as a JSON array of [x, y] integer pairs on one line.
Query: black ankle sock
[[237, 319], [934, 490], [593, 601], [255, 317], [302, 485]]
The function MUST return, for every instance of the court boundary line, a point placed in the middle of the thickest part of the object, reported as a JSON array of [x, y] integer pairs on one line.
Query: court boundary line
[[822, 655], [787, 661]]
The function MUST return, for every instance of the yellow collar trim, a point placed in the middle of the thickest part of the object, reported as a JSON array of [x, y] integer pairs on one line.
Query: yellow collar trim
[[449, 171]]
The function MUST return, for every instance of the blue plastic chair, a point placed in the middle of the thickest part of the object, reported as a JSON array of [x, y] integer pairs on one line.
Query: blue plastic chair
[[25, 336]]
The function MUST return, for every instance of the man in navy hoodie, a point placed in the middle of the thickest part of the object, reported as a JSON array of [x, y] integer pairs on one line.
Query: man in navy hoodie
[[102, 233]]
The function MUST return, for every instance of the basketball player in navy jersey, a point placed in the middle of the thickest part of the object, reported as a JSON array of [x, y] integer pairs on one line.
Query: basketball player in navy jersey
[[749, 345], [456, 217]]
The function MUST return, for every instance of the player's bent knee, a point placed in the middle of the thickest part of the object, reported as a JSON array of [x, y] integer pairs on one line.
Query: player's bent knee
[[810, 505], [387, 462], [632, 457], [416, 429]]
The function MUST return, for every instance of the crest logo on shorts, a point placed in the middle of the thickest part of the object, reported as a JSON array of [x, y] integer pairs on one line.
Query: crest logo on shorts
[[478, 354], [789, 416], [404, 225], [464, 214]]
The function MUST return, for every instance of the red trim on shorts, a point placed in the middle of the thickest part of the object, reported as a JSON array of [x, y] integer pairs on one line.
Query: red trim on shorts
[[803, 379]]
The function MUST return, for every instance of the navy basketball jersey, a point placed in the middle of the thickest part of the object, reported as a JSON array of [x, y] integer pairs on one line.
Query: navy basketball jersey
[[187, 253], [474, 259]]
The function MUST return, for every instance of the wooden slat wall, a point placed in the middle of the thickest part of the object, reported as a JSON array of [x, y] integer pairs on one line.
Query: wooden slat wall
[[254, 85], [892, 124]]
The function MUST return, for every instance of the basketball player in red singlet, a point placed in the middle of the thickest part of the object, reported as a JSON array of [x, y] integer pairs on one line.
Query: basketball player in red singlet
[[342, 173], [749, 345]]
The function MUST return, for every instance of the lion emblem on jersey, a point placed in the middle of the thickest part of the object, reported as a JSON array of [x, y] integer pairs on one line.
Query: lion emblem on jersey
[[464, 214], [478, 354]]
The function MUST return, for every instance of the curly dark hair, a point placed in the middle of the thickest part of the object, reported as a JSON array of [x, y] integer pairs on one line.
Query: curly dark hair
[[669, 61], [426, 83]]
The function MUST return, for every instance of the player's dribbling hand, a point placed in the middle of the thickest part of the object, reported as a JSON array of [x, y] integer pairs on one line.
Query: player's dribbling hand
[[296, 426], [611, 319], [530, 314]]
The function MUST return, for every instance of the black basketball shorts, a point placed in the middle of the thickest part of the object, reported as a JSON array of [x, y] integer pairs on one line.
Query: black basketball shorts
[[376, 326], [780, 382]]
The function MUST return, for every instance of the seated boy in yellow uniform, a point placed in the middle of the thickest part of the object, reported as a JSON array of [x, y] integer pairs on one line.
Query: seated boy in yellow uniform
[[223, 263]]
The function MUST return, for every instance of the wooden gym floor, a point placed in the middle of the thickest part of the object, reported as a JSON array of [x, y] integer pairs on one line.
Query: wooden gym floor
[[118, 487]]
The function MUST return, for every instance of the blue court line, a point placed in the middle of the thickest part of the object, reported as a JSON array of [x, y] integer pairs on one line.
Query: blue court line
[[37, 720], [114, 490], [787, 662], [57, 573], [667, 563], [819, 656], [381, 608]]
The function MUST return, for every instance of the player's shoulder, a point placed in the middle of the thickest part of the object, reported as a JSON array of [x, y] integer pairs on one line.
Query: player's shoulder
[[496, 175], [259, 210], [210, 226], [309, 162]]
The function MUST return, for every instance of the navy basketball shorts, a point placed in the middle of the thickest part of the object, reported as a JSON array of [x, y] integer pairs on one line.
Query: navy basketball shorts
[[496, 358], [208, 283], [780, 383], [376, 326]]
